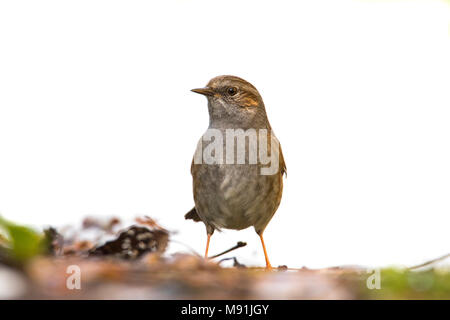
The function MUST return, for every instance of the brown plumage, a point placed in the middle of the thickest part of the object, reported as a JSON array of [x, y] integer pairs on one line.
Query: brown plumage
[[236, 195]]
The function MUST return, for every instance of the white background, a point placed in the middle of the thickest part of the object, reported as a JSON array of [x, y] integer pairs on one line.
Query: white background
[[96, 118]]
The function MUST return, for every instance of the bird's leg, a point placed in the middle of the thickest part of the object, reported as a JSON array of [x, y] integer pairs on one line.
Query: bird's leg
[[268, 266], [207, 246]]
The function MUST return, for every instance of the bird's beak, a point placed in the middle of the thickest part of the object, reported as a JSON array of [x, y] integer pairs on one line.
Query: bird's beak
[[204, 91]]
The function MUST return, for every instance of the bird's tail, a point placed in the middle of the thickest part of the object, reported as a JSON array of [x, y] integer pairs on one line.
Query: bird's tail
[[193, 215]]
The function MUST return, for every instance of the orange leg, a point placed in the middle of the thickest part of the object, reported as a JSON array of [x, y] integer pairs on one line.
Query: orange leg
[[207, 246], [268, 266]]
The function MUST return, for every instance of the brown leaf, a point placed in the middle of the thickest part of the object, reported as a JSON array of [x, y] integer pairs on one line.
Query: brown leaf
[[133, 243]]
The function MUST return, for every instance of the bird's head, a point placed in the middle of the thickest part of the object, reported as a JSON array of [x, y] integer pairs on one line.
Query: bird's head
[[234, 103]]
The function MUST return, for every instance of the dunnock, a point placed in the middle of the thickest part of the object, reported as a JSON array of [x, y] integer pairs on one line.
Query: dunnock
[[236, 196]]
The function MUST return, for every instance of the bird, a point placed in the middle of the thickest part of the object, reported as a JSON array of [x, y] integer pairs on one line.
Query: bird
[[234, 195]]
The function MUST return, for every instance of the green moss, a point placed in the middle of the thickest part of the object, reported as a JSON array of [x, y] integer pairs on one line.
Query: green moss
[[405, 284]]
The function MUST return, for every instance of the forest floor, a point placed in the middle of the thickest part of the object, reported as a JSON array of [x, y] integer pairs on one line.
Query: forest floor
[[132, 264]]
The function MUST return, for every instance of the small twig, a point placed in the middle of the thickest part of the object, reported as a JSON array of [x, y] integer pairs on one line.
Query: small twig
[[186, 246], [430, 262], [235, 262], [238, 245]]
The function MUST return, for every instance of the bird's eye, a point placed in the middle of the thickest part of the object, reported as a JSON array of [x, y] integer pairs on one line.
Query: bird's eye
[[232, 91]]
